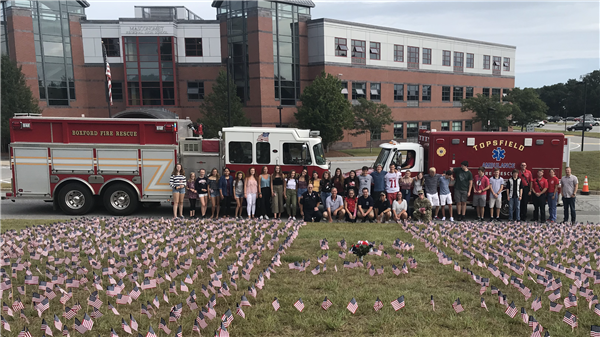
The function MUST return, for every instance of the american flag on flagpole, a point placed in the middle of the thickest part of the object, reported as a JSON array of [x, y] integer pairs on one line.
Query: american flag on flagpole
[[107, 73]]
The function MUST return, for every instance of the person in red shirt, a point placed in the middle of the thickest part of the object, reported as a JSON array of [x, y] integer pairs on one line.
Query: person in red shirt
[[350, 206], [552, 195], [539, 186], [526, 178], [481, 184]]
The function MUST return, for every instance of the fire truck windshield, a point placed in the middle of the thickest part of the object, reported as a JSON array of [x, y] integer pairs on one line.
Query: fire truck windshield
[[319, 154], [382, 158]]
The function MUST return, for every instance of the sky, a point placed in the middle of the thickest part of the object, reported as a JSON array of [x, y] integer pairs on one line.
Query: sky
[[556, 41]]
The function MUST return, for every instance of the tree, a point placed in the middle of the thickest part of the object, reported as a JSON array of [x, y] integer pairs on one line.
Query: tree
[[487, 109], [214, 108], [16, 96], [555, 97], [371, 117], [527, 107], [573, 96], [325, 108]]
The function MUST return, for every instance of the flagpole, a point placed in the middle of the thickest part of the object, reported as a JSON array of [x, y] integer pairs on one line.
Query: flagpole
[[106, 79]]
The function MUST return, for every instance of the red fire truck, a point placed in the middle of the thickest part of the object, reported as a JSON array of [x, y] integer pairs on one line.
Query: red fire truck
[[75, 162], [445, 150]]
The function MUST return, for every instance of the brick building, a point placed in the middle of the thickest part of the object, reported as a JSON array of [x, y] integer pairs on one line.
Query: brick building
[[165, 59]]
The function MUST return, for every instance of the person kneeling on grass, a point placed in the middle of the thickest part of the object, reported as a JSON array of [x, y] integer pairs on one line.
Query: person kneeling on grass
[[334, 206], [400, 208], [422, 208], [383, 209], [350, 206], [311, 201], [365, 206]]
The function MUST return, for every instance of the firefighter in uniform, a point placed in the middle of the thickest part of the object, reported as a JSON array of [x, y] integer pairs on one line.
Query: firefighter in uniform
[[422, 210], [311, 201]]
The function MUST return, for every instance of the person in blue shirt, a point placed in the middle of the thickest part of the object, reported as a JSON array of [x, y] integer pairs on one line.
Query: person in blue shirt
[[378, 180], [445, 181], [226, 190]]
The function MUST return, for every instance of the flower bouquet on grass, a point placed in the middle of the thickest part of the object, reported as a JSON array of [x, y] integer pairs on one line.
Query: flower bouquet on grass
[[361, 248]]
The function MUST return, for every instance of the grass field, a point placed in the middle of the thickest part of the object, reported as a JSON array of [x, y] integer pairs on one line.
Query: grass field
[[18, 224], [586, 164], [416, 319], [574, 133]]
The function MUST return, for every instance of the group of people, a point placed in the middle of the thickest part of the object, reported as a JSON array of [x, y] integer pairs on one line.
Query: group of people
[[377, 196]]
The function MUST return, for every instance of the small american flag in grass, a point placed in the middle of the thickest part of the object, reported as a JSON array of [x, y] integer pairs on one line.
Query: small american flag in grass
[[326, 304], [299, 305], [483, 305], [377, 305], [536, 331], [595, 331], [511, 310], [570, 301], [536, 304], [227, 318], [163, 326], [151, 332], [457, 306], [570, 319], [555, 307], [398, 303], [597, 309], [239, 311], [125, 326], [352, 306], [275, 304], [432, 302], [524, 315]]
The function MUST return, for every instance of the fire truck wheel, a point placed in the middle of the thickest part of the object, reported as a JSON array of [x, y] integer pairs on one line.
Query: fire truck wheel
[[75, 199], [120, 199]]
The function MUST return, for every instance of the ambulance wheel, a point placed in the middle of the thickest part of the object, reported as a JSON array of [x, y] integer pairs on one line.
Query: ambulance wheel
[[504, 209], [75, 199], [120, 199]]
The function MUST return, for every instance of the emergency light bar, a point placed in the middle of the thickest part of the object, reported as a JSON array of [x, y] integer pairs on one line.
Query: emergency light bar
[[167, 127]]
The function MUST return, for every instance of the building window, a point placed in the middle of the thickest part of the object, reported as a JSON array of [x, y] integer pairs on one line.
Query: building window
[[112, 46], [117, 91], [446, 58], [341, 47], [358, 51], [468, 125], [459, 59], [398, 92], [486, 92], [425, 126], [445, 126], [412, 130], [398, 53], [445, 94], [426, 93], [469, 92], [486, 61], [195, 90], [358, 90], [506, 64], [505, 92], [375, 91], [458, 94], [193, 46], [496, 64], [426, 55], [376, 135], [345, 89], [470, 60], [374, 51], [398, 130], [263, 153], [457, 126], [413, 57], [150, 70], [286, 50], [412, 92], [240, 152], [496, 93]]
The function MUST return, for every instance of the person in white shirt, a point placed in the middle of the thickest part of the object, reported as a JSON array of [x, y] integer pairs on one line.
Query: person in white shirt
[[392, 186], [496, 188], [400, 208], [334, 206]]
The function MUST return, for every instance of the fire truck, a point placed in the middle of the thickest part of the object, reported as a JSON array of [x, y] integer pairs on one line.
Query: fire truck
[[446, 150], [122, 163]]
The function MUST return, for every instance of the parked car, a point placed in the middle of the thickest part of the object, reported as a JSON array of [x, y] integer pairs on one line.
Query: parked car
[[555, 119], [593, 122], [577, 119], [580, 126], [570, 119]]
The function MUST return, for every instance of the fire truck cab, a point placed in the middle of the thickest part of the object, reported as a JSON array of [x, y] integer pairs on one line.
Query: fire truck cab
[[122, 163]]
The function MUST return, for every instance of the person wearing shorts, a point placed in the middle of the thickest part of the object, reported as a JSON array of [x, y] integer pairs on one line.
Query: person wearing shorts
[[463, 182], [431, 190], [481, 184], [445, 182], [391, 183], [496, 188]]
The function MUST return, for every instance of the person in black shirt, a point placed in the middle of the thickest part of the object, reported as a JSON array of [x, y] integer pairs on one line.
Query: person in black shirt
[[311, 201], [351, 183], [382, 208], [365, 206]]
